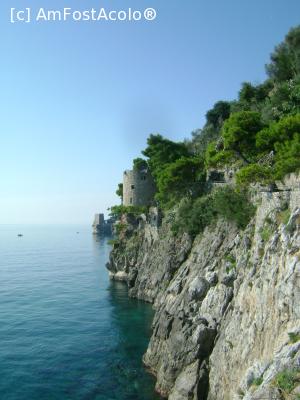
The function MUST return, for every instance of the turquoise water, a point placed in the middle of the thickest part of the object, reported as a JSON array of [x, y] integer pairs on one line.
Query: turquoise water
[[66, 332]]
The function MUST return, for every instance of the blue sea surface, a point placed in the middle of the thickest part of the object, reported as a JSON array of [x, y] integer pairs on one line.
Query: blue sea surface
[[66, 331]]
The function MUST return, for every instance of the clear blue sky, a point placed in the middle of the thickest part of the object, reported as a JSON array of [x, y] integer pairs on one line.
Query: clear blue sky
[[78, 100]]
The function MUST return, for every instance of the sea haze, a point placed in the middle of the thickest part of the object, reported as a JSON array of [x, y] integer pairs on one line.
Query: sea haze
[[67, 332]]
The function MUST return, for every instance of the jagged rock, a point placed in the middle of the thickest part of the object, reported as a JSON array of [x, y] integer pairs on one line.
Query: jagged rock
[[197, 289], [220, 326], [186, 384], [268, 393]]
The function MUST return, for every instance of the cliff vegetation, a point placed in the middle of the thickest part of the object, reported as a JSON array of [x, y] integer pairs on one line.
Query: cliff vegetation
[[218, 254]]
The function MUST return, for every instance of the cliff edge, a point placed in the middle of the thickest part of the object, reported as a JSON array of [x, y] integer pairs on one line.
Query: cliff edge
[[227, 321]]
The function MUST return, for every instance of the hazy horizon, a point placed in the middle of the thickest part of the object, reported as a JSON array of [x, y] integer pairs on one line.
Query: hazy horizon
[[79, 99]]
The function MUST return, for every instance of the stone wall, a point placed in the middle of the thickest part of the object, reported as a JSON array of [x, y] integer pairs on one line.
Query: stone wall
[[102, 226], [138, 188]]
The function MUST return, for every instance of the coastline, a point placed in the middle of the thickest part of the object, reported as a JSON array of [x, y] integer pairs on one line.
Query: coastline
[[205, 291]]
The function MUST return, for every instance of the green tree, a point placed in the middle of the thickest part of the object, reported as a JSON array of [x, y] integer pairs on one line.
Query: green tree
[[239, 133], [285, 60], [278, 132], [161, 151], [211, 130], [201, 138], [139, 164], [247, 92], [251, 98], [218, 114], [184, 177], [287, 157], [119, 191], [283, 99], [215, 158], [253, 173]]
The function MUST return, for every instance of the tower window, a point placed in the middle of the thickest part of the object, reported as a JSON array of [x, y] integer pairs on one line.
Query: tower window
[[143, 178], [132, 187], [130, 200]]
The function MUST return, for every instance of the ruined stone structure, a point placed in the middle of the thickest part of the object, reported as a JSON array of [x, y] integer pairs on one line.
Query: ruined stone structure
[[221, 175], [138, 188], [102, 226]]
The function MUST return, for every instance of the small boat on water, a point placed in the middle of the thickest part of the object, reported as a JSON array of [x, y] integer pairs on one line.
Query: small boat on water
[[20, 234]]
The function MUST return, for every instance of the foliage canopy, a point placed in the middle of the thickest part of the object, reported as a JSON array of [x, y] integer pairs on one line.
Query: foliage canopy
[[181, 178], [161, 151]]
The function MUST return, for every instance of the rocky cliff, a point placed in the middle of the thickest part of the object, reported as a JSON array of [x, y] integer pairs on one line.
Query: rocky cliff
[[227, 321]]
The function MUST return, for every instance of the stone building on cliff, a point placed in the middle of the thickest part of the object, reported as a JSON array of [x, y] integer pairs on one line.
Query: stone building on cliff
[[138, 187], [102, 226]]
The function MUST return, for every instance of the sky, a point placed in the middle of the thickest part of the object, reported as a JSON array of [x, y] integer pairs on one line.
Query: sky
[[79, 99]]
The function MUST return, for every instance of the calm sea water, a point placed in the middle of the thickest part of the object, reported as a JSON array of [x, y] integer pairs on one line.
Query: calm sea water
[[66, 332]]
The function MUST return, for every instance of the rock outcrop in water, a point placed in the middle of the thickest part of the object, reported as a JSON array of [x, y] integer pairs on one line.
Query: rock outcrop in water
[[227, 322]]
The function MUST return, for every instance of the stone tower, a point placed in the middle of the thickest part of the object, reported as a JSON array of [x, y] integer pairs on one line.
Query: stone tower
[[102, 226], [138, 187], [98, 223]]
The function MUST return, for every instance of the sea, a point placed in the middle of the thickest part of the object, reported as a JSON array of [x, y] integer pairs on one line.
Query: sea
[[66, 331]]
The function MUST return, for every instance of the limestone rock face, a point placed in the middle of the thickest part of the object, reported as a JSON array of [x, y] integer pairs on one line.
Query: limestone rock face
[[149, 260], [227, 318]]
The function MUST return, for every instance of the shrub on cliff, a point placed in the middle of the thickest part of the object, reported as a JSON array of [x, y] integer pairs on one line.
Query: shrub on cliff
[[234, 206], [253, 173], [117, 211], [287, 157], [193, 216], [287, 380]]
